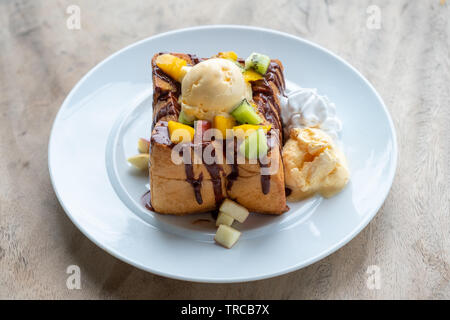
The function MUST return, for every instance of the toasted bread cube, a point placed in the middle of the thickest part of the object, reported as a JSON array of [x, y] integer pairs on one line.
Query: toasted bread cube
[[234, 210], [225, 219], [227, 236]]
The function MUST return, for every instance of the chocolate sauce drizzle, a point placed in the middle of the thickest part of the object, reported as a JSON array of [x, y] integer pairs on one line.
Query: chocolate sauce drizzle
[[265, 100], [196, 183], [234, 174], [275, 74], [171, 106], [287, 191], [265, 179], [194, 59], [164, 76], [215, 214], [215, 172]]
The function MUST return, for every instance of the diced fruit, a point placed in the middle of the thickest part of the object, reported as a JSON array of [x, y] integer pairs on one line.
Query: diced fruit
[[227, 236], [250, 75], [232, 56], [185, 119], [225, 219], [255, 145], [246, 127], [180, 132], [245, 113], [234, 210], [228, 55], [244, 130], [172, 65], [143, 145], [201, 126], [140, 161], [258, 62], [222, 123]]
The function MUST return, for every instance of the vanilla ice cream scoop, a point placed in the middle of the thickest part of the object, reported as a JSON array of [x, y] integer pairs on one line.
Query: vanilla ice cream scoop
[[213, 87], [313, 164]]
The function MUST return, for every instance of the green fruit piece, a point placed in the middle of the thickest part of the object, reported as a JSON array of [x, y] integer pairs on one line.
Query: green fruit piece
[[255, 145], [185, 119], [258, 62], [244, 113]]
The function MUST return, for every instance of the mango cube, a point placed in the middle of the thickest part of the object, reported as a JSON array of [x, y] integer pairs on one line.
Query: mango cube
[[175, 67], [222, 123], [245, 130], [250, 75], [228, 55], [180, 132]]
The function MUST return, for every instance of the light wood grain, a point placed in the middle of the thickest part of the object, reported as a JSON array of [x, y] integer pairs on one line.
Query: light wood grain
[[407, 60]]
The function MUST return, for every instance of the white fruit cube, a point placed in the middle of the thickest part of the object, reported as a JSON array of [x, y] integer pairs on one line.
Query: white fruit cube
[[234, 210], [227, 236], [140, 161], [143, 145], [225, 219]]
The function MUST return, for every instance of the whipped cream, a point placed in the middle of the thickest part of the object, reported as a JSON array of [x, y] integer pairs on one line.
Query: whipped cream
[[304, 107]]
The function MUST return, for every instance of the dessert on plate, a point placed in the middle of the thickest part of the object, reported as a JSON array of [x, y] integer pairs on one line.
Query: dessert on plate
[[195, 95], [216, 144]]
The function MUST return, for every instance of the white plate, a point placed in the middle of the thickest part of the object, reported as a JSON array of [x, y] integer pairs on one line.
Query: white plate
[[110, 108]]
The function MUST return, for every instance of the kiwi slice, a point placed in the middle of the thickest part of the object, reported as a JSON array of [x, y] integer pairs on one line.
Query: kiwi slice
[[244, 113], [186, 119], [255, 145], [258, 62]]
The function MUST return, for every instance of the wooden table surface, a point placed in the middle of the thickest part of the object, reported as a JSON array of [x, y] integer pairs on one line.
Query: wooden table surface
[[407, 60]]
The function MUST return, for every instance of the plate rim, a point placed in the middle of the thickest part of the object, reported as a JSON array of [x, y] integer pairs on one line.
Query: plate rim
[[200, 279]]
